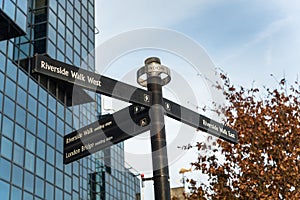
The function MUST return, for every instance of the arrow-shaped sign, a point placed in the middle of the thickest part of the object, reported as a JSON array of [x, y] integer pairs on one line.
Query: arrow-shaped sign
[[200, 122], [91, 81], [108, 130]]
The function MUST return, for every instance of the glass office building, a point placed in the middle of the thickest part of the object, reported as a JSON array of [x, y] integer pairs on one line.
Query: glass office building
[[111, 180], [36, 111]]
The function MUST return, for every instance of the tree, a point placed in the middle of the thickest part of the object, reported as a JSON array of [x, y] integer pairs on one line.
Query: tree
[[265, 164]]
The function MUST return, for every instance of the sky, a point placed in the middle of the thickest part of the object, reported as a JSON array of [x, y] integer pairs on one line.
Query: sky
[[248, 40]]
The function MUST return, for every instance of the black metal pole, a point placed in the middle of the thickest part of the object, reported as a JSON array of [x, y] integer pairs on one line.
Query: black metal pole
[[158, 137]]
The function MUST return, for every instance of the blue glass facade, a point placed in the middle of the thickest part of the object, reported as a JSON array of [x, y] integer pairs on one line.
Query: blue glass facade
[[36, 112], [13, 18]]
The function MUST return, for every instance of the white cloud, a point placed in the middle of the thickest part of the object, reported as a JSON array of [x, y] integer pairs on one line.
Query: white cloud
[[271, 29]]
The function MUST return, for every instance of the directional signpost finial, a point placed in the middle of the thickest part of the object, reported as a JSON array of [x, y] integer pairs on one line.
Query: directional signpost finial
[[152, 68]]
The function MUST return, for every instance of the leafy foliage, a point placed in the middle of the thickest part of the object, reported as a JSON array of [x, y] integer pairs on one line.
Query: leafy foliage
[[265, 164]]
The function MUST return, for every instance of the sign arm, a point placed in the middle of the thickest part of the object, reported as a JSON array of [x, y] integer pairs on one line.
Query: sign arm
[[199, 121], [91, 81], [105, 132]]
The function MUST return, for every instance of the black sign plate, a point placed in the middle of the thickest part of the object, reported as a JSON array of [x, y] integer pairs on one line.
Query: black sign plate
[[91, 81], [108, 130], [200, 122]]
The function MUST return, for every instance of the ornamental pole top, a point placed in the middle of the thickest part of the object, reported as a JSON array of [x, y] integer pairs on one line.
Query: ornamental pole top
[[153, 68]]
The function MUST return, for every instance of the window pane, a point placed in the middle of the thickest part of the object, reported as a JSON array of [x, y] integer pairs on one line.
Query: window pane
[[28, 196], [10, 50], [49, 191], [30, 142], [51, 119], [22, 79], [6, 148], [23, 5], [42, 112], [16, 193], [61, 13], [52, 33], [70, 8], [28, 181], [70, 26], [60, 110], [33, 88], [11, 70], [21, 116], [21, 19], [29, 161], [52, 19], [68, 117], [52, 104], [60, 40], [9, 107], [22, 97], [51, 49], [77, 17], [5, 167], [8, 128], [2, 57], [18, 155], [68, 169], [77, 48], [4, 191], [39, 187], [31, 123], [17, 176], [60, 126], [60, 55], [58, 193], [20, 135], [10, 9], [41, 130], [59, 143], [40, 167], [84, 14], [50, 154], [1, 80], [40, 149], [77, 60], [69, 52], [67, 197], [43, 96], [51, 137], [50, 173], [10, 88], [68, 129], [32, 103], [75, 183], [1, 101], [68, 183], [59, 179]]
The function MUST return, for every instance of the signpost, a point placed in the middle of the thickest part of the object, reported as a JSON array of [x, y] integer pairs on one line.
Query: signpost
[[153, 72], [149, 108]]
